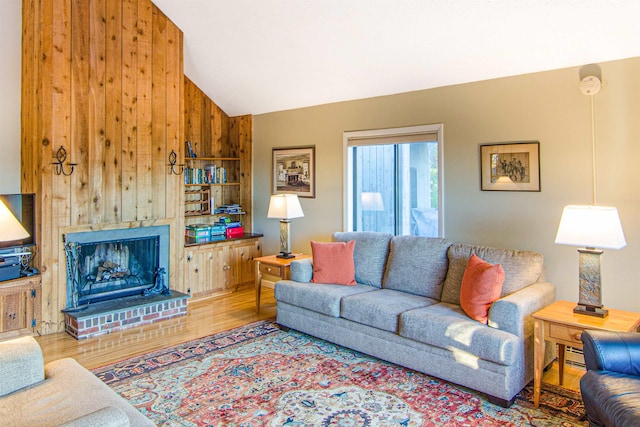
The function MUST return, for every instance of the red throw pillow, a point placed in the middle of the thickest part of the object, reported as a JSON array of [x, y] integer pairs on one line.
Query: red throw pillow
[[481, 286], [333, 262]]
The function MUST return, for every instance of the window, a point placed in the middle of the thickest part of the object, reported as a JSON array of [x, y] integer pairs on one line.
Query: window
[[394, 181]]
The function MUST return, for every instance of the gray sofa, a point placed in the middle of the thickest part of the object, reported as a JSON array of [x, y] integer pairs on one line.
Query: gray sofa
[[405, 309], [60, 393]]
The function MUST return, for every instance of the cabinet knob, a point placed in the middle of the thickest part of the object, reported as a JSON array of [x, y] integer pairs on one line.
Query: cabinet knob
[[578, 336]]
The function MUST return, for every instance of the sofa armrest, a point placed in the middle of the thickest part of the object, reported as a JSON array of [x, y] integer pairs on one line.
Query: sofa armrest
[[612, 351], [513, 312], [301, 270], [109, 416], [21, 364]]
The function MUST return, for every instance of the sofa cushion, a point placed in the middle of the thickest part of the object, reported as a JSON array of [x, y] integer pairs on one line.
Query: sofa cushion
[[417, 265], [333, 263], [322, 298], [481, 287], [370, 254], [521, 268], [447, 326], [68, 392], [21, 364], [381, 308]]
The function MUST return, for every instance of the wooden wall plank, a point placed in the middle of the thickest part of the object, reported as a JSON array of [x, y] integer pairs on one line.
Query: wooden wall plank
[[112, 177], [79, 145], [217, 133], [129, 116], [160, 155], [144, 99], [97, 115], [56, 194], [174, 117], [44, 135], [175, 141]]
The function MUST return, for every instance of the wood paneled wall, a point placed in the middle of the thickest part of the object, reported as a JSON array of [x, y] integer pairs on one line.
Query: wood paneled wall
[[104, 80], [214, 134]]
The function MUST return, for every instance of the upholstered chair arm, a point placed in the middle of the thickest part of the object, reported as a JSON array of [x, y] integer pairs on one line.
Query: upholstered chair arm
[[612, 351], [21, 364], [301, 270], [512, 313], [109, 416]]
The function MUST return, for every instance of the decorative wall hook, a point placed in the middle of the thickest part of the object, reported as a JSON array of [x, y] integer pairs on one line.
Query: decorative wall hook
[[61, 157], [173, 159]]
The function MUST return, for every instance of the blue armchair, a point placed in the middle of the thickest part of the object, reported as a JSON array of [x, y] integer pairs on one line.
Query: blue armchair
[[611, 387]]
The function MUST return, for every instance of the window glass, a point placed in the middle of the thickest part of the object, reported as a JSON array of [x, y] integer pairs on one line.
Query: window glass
[[394, 188]]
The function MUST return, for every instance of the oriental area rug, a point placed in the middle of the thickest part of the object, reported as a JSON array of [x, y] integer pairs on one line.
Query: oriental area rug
[[258, 375]]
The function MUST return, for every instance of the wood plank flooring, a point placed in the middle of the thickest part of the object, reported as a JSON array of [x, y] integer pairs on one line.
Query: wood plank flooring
[[205, 317]]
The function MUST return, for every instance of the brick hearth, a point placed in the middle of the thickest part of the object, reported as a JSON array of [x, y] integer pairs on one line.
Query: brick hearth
[[110, 316]]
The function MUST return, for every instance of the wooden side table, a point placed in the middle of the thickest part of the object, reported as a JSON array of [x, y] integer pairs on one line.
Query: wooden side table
[[558, 324], [273, 266]]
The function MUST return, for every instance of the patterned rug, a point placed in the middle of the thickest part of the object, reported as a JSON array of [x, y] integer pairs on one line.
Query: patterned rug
[[258, 375]]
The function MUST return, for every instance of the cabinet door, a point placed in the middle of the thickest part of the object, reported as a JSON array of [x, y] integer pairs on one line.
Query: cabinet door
[[20, 306], [205, 270], [241, 265]]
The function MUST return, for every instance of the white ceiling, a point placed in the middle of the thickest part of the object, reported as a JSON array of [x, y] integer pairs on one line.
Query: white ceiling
[[257, 56]]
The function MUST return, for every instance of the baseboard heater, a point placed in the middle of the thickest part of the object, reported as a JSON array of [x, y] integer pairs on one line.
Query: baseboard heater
[[574, 357]]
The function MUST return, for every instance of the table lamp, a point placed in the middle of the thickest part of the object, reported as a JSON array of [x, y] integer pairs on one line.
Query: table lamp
[[592, 227], [10, 228], [285, 207]]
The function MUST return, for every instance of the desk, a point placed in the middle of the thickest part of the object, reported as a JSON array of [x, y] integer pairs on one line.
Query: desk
[[557, 323], [273, 266]]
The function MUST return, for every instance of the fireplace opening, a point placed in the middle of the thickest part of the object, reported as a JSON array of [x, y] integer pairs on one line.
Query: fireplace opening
[[113, 264]]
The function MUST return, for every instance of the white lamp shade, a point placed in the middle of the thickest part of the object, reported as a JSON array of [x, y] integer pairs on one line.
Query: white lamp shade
[[372, 201], [591, 226], [10, 227], [285, 206]]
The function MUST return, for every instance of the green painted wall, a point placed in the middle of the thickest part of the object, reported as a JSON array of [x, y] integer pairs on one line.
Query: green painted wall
[[547, 107]]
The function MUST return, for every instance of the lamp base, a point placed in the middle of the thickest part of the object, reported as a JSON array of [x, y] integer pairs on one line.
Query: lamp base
[[591, 311], [285, 255]]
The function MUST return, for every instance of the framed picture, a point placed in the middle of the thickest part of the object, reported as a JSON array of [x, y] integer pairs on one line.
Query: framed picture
[[294, 171], [513, 166]]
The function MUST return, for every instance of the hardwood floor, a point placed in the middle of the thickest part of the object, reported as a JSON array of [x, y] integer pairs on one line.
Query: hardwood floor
[[205, 317]]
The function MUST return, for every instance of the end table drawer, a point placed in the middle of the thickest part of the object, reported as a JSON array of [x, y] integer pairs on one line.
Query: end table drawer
[[565, 333], [272, 270]]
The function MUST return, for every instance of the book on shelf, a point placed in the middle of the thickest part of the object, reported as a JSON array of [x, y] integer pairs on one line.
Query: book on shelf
[[209, 175], [189, 149]]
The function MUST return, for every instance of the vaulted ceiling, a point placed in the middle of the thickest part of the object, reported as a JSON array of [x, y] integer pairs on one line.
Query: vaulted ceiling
[[257, 56]]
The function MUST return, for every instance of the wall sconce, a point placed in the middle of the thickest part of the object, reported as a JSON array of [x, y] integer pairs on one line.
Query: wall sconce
[[173, 159], [61, 157]]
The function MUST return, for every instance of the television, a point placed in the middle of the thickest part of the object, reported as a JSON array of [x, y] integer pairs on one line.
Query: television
[[23, 207]]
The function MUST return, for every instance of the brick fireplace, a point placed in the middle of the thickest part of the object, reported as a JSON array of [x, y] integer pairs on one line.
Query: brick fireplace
[[117, 279]]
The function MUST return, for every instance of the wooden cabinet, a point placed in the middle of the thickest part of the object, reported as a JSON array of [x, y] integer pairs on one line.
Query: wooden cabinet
[[218, 268], [205, 271], [240, 260], [20, 305]]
